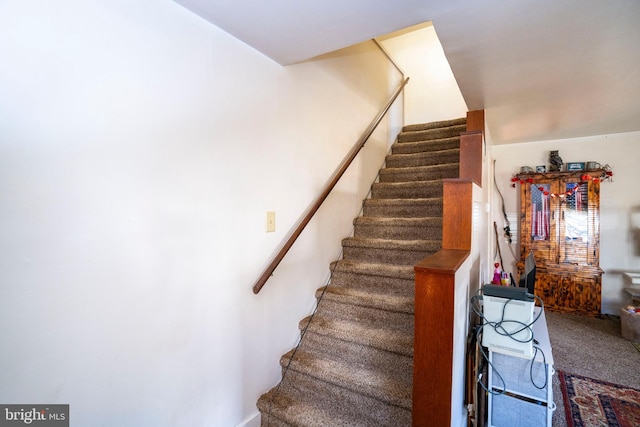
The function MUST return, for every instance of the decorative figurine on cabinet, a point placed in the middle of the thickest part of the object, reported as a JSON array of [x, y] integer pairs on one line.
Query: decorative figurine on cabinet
[[555, 160]]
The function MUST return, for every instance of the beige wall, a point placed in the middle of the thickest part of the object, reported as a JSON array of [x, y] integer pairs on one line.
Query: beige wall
[[432, 93], [140, 148], [619, 199]]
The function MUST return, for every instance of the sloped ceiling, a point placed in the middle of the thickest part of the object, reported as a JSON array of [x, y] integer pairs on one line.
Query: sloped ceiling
[[541, 69]]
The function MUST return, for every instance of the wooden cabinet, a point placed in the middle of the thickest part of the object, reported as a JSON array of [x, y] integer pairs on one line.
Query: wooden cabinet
[[560, 223]]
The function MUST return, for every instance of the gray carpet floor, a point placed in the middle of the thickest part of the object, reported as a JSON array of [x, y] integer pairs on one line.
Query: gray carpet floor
[[592, 347]]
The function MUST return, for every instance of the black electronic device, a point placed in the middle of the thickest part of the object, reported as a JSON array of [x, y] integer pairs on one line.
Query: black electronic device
[[528, 276], [506, 292]]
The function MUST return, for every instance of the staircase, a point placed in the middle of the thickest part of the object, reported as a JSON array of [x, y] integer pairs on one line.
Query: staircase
[[354, 363]]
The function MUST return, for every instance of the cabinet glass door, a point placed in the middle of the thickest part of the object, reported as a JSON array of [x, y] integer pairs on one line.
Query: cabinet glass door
[[575, 228], [540, 213]]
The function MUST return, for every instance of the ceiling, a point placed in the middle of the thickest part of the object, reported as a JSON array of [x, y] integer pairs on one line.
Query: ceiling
[[541, 69]]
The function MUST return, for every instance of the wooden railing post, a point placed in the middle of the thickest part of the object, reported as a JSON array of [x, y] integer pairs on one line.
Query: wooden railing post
[[471, 148], [433, 341], [471, 156], [457, 214], [475, 121]]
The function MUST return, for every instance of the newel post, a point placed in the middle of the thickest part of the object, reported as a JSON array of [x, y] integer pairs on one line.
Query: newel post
[[434, 310], [433, 341]]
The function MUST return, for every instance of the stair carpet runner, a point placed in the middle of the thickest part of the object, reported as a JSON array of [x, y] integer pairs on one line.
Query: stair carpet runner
[[354, 364]]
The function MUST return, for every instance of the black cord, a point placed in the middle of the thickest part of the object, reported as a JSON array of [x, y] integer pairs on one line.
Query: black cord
[[544, 363], [502, 331], [490, 369], [498, 328]]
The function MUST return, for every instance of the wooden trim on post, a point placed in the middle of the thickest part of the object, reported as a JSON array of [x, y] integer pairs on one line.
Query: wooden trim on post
[[433, 340], [457, 215], [471, 144], [471, 156], [475, 121]]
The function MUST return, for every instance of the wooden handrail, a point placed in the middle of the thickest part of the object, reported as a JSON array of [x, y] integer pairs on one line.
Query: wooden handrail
[[328, 188]]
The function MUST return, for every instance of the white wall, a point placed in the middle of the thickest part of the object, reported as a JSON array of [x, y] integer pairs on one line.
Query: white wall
[[140, 148], [432, 93], [619, 199]]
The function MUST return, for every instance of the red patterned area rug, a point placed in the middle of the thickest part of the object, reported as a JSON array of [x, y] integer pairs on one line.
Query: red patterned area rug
[[594, 403]]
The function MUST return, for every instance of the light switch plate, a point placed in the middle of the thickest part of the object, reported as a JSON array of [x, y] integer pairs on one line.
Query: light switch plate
[[271, 222]]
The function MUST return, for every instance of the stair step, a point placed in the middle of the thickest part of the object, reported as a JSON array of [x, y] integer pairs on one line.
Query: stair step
[[434, 133], [369, 318], [423, 159], [360, 337], [434, 125], [300, 402], [420, 173], [373, 277], [406, 190], [398, 228], [403, 208], [425, 146], [401, 303], [268, 420], [389, 332], [377, 374], [397, 364], [407, 252], [304, 402]]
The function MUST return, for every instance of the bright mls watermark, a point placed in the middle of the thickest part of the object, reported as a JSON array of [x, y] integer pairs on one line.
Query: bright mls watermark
[[34, 415]]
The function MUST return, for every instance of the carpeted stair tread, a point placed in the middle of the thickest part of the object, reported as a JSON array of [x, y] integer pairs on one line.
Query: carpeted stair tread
[[268, 420], [374, 269], [435, 133], [346, 339], [434, 125], [346, 352], [281, 406], [407, 190], [369, 317], [304, 402], [403, 208], [423, 159], [301, 411], [374, 377], [299, 406], [381, 301], [407, 252], [398, 228], [425, 146], [373, 277], [419, 173], [406, 245], [403, 222]]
